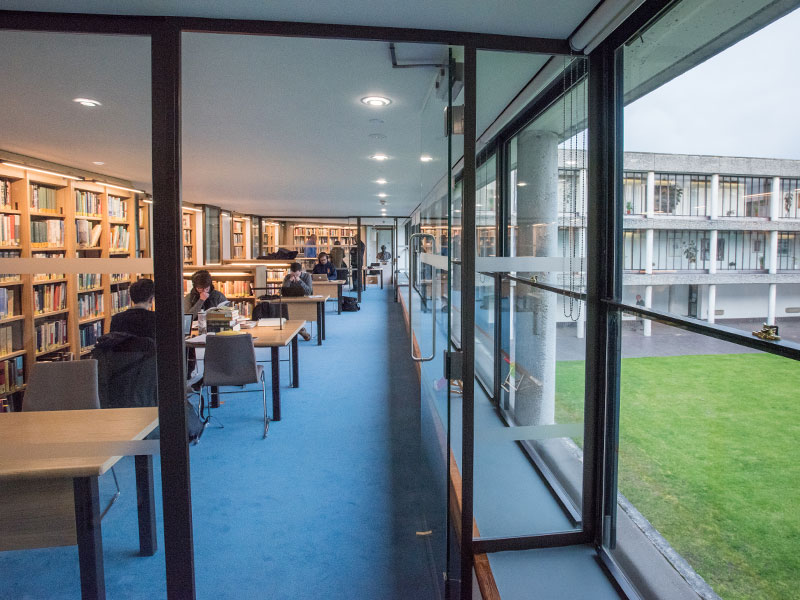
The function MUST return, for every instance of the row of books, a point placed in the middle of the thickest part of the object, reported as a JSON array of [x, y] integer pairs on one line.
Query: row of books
[[187, 236], [233, 289], [9, 230], [238, 239], [89, 333], [6, 339], [11, 375], [88, 281], [245, 309], [6, 277], [8, 301], [51, 335], [43, 199], [117, 208], [238, 252], [49, 297], [119, 238], [334, 231], [120, 278], [187, 254], [5, 194], [86, 234], [88, 203], [48, 233], [90, 305], [119, 300]]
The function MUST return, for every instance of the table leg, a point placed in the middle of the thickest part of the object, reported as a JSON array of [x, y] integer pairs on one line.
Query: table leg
[[324, 316], [339, 298], [146, 502], [214, 401], [295, 364], [276, 384], [320, 314], [90, 537], [381, 272]]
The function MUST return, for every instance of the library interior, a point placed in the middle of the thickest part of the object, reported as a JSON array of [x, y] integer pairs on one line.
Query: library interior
[[367, 301]]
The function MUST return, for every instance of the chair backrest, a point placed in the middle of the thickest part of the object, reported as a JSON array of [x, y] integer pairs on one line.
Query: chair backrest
[[126, 370], [270, 310], [63, 385], [229, 360]]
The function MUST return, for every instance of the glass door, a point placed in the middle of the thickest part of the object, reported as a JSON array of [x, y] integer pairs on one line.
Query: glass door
[[430, 301]]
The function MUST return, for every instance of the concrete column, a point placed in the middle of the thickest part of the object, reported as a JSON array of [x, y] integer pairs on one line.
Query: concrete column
[[647, 330], [581, 324], [537, 219], [650, 197], [648, 251], [775, 203], [712, 251], [712, 303], [713, 210], [773, 252], [773, 297], [583, 186]]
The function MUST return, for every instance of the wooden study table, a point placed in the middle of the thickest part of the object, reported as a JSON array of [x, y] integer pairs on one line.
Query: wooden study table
[[326, 288], [302, 307], [51, 499], [273, 338]]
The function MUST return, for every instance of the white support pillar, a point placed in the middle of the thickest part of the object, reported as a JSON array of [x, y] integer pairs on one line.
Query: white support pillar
[[581, 324], [713, 210], [537, 235], [712, 303], [775, 205], [773, 252], [712, 251], [773, 297], [648, 251], [650, 197], [647, 329]]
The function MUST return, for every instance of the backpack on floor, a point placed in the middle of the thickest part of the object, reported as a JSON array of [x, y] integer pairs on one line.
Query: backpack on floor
[[350, 304]]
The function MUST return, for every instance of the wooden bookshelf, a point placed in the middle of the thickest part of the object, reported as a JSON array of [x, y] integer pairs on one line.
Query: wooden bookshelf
[[238, 238], [326, 235], [188, 226], [57, 315], [270, 236]]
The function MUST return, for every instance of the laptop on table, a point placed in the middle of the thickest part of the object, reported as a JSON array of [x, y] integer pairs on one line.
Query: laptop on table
[[319, 277]]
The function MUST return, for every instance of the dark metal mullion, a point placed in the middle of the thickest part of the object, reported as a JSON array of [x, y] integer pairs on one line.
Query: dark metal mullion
[[501, 205], [528, 542], [468, 322], [168, 269], [358, 259]]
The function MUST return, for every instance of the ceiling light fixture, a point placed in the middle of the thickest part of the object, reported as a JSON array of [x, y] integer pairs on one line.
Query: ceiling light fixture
[[521, 184], [426, 158], [147, 201], [118, 187], [380, 181], [379, 157], [382, 195], [87, 102], [19, 166], [99, 163], [376, 101]]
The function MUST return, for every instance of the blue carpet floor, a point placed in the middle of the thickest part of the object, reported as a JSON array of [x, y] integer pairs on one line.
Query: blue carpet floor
[[327, 506]]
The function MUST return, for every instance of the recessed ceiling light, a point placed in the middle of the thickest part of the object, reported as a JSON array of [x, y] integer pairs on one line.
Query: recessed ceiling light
[[376, 101], [377, 136], [87, 102], [379, 157], [426, 158], [99, 163], [382, 195], [521, 184], [380, 181]]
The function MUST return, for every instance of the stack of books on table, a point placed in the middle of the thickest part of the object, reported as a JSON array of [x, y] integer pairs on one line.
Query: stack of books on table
[[222, 318]]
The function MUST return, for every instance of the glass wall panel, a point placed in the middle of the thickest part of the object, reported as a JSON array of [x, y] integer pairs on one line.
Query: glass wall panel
[[75, 402]]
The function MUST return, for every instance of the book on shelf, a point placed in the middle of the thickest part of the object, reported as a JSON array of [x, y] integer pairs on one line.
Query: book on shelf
[[94, 240], [118, 208], [5, 194], [89, 334], [88, 281], [12, 375], [49, 297], [43, 199], [87, 203], [187, 221], [90, 305], [6, 339], [47, 233], [7, 302], [9, 230], [119, 238]]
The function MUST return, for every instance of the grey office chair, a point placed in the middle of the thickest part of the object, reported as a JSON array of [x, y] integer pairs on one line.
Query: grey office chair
[[65, 385], [230, 360]]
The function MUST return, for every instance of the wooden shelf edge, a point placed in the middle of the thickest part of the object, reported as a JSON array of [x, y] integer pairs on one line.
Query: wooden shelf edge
[[11, 319], [53, 349], [50, 314], [14, 354]]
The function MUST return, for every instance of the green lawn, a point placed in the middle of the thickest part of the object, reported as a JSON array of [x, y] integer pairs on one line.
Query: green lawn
[[710, 454]]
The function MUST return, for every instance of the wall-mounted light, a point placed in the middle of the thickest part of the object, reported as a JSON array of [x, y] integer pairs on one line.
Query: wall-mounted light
[[118, 187], [19, 166]]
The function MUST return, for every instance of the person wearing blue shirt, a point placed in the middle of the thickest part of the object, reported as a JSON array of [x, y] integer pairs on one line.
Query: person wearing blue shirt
[[324, 266]]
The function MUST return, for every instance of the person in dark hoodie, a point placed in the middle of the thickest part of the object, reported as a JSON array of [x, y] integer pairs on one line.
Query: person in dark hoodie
[[203, 295], [139, 319]]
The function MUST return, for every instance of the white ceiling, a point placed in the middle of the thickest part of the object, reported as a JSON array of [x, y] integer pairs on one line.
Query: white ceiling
[[271, 126]]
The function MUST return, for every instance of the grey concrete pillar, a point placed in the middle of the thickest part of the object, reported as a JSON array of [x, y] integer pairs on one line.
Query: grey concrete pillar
[[712, 251], [773, 297], [775, 200], [773, 252], [647, 324], [648, 251], [537, 235], [713, 210], [712, 303], [649, 199]]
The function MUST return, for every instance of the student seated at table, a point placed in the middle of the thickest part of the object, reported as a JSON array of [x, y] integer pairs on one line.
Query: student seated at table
[[203, 295], [324, 267], [139, 319], [297, 278]]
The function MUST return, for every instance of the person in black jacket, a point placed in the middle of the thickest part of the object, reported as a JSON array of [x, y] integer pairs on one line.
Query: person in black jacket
[[139, 319], [324, 267], [203, 295]]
